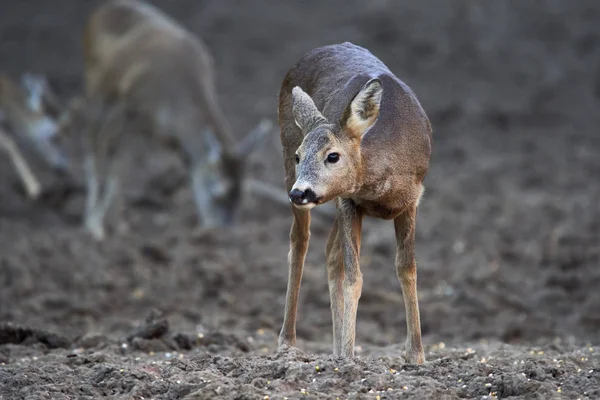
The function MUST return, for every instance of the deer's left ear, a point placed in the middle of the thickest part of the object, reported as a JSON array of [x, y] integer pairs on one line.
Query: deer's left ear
[[363, 110]]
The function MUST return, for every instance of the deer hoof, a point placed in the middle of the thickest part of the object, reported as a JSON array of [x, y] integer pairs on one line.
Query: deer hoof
[[414, 357], [96, 231]]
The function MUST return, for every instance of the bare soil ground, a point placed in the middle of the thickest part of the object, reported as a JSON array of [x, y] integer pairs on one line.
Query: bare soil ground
[[508, 236]]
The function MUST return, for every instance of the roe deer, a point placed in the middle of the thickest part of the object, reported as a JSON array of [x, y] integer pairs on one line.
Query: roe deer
[[141, 63], [25, 111], [353, 132]]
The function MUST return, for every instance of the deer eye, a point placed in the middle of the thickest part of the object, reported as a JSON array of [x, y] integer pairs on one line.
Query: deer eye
[[297, 159], [333, 158]]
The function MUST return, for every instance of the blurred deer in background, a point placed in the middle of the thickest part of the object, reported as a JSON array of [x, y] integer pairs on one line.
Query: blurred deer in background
[[353, 132], [26, 120], [142, 65]]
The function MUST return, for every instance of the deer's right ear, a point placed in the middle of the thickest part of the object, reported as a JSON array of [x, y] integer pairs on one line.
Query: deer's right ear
[[306, 115]]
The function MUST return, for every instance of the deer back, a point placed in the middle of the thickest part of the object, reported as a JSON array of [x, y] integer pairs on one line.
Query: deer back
[[137, 54]]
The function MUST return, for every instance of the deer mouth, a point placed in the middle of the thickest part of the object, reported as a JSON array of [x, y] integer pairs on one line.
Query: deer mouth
[[305, 204]]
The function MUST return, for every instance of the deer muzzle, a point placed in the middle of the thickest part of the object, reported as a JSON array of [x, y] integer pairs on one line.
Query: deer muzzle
[[306, 198]]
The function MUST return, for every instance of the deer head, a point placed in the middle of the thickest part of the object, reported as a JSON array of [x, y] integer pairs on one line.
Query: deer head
[[329, 160], [218, 178]]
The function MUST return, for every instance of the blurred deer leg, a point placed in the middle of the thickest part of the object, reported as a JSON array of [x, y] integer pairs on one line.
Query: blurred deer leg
[[106, 151], [32, 185], [299, 238], [117, 211], [407, 273], [110, 194], [350, 225], [201, 196], [91, 222]]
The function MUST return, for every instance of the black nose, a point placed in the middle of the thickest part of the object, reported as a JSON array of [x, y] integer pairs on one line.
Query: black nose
[[302, 196]]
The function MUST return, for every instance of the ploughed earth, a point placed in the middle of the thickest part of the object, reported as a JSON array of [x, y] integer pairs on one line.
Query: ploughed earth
[[508, 234]]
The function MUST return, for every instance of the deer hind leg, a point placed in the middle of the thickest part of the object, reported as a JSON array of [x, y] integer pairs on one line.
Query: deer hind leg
[[406, 268], [299, 238], [350, 225], [100, 203], [32, 185], [335, 280], [115, 202]]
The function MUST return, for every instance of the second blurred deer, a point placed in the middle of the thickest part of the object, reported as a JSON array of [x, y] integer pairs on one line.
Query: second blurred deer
[[141, 65]]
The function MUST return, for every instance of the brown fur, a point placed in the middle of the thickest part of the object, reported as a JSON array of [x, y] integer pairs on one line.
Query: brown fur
[[383, 136], [140, 61]]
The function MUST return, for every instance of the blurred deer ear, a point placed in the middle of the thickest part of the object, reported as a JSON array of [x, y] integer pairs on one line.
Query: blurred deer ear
[[254, 138], [306, 115], [35, 86], [363, 110]]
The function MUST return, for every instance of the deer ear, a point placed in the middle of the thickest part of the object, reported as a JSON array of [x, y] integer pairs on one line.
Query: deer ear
[[254, 138], [306, 115], [35, 86], [363, 110]]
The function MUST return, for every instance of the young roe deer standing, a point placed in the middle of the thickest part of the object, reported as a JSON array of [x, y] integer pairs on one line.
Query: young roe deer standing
[[142, 65], [353, 132], [25, 112]]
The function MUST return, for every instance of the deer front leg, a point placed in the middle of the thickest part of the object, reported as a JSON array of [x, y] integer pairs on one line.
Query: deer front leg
[[32, 185], [335, 279], [406, 268], [350, 224], [111, 195], [299, 238], [91, 222]]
